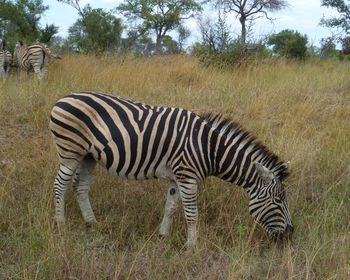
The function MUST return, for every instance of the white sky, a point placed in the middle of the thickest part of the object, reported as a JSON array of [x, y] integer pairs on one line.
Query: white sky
[[301, 15]]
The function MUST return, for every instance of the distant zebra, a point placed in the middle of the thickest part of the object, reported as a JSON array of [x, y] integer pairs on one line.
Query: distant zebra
[[34, 57], [138, 141], [5, 60]]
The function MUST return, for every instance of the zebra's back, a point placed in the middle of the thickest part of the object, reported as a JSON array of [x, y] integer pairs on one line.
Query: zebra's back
[[32, 55], [130, 139]]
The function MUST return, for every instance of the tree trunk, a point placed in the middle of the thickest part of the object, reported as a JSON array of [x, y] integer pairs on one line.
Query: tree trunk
[[242, 20], [159, 44]]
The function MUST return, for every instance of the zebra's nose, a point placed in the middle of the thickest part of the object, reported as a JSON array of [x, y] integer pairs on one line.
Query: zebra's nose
[[288, 231]]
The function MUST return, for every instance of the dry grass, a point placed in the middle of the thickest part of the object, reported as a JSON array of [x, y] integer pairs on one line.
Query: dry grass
[[300, 110]]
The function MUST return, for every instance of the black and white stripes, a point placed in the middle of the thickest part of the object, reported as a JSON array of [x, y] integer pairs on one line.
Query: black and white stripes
[[32, 58], [5, 60], [139, 141]]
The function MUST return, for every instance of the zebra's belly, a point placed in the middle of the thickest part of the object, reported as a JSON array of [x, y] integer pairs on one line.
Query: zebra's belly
[[163, 172], [135, 168]]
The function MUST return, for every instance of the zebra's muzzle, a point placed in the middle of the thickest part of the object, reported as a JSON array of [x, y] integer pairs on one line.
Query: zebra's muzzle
[[283, 235]]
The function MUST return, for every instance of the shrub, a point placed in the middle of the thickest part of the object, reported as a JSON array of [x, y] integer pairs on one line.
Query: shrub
[[289, 43]]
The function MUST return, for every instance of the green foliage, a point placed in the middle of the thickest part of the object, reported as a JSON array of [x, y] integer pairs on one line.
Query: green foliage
[[346, 45], [97, 31], [233, 55], [289, 43], [158, 15], [138, 44], [183, 34], [219, 49], [343, 20], [169, 45], [328, 49], [19, 19], [215, 36], [47, 33]]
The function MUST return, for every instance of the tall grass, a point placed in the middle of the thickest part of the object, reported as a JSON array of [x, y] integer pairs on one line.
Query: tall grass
[[300, 110]]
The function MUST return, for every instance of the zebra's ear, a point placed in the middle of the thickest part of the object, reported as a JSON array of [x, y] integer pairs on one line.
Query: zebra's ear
[[265, 174]]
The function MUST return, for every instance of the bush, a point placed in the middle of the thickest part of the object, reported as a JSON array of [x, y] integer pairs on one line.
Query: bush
[[289, 43], [234, 55]]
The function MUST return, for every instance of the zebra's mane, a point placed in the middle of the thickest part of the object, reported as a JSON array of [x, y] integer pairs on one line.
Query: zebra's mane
[[228, 128]]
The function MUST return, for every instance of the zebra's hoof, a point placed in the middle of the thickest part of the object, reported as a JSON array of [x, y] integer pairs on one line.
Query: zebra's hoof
[[90, 224], [60, 227], [161, 236]]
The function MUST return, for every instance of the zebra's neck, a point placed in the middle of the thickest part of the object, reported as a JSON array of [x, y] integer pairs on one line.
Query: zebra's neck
[[234, 158], [234, 152]]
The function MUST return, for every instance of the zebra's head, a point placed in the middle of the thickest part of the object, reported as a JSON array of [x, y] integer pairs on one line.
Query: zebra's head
[[268, 204]]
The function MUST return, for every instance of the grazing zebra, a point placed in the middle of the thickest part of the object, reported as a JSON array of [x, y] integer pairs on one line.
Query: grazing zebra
[[5, 60], [138, 141], [34, 57]]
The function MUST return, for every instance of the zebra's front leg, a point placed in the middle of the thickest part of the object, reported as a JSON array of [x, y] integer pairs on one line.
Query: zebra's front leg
[[172, 202], [82, 181], [188, 194]]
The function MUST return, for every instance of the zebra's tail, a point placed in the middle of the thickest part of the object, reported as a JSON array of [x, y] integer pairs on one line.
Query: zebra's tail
[[56, 56]]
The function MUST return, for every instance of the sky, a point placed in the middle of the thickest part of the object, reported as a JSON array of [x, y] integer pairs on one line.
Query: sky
[[301, 15]]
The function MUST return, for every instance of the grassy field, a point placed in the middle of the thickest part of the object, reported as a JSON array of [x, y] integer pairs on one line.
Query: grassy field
[[300, 110]]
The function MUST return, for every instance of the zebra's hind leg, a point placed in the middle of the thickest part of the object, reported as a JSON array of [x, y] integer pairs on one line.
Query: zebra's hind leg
[[76, 178], [172, 202], [6, 71], [82, 182], [37, 71], [45, 67], [62, 181], [2, 72]]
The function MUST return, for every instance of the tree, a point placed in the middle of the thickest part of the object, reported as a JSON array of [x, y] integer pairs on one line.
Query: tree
[[75, 4], [209, 38], [215, 36], [251, 10], [183, 34], [158, 15], [289, 43], [20, 19], [169, 46], [139, 44], [328, 48], [47, 33], [343, 20], [97, 31], [345, 42]]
